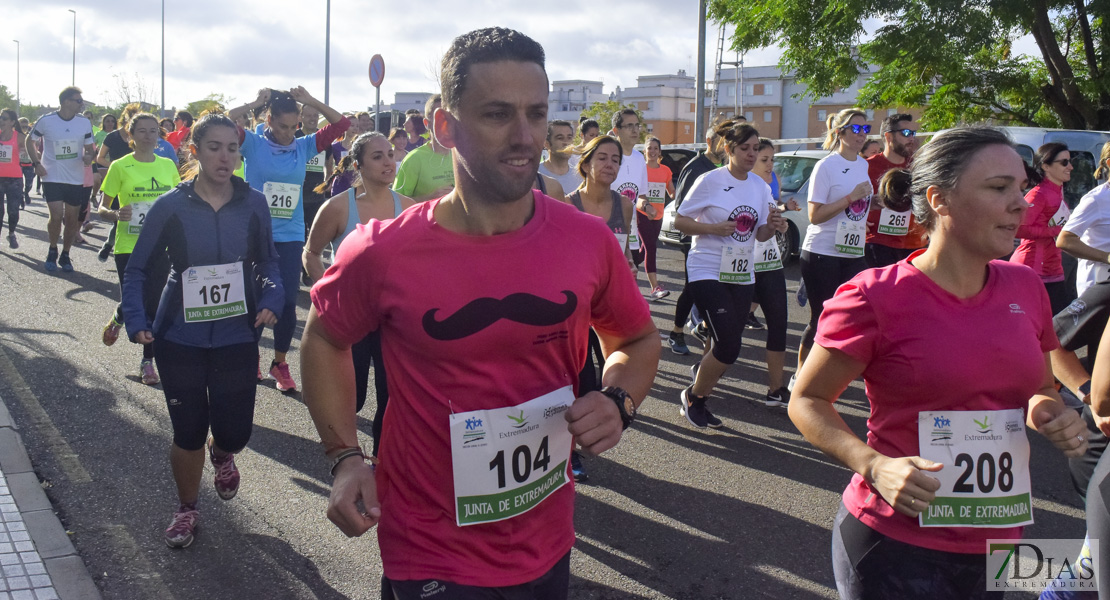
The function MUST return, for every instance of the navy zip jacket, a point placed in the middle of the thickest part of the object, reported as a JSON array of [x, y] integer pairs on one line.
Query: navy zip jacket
[[197, 236]]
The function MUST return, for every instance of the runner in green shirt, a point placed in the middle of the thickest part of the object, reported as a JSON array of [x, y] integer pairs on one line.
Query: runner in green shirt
[[427, 172], [132, 185]]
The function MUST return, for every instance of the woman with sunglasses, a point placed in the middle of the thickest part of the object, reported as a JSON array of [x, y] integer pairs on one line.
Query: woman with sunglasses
[[1045, 219], [839, 201]]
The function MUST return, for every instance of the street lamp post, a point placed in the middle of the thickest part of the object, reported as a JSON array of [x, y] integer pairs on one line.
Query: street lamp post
[[327, 56], [162, 107], [73, 77], [16, 76]]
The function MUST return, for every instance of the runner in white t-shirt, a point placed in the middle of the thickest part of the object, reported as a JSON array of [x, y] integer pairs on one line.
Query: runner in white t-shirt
[[68, 148], [727, 211], [632, 181], [839, 200]]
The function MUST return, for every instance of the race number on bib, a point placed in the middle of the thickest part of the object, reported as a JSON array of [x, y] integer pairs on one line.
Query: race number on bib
[[634, 237], [316, 163], [850, 236], [985, 479], [736, 265], [657, 194], [138, 216], [622, 240], [767, 255], [65, 149], [1061, 217], [507, 460], [6, 154], [283, 198], [213, 292], [894, 223]]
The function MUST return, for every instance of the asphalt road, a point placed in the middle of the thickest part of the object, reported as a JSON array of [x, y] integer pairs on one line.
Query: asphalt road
[[672, 512]]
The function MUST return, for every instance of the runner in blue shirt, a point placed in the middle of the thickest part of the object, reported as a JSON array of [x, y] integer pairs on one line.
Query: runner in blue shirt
[[276, 163]]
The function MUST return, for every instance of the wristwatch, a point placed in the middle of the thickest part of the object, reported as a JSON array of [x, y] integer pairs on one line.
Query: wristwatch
[[624, 404]]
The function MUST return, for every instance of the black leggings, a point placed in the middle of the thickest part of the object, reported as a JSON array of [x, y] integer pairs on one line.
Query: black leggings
[[1060, 295], [822, 274], [552, 585], [11, 199], [649, 238], [368, 352], [685, 300], [158, 269], [871, 566], [770, 293], [725, 307], [878, 255], [209, 387]]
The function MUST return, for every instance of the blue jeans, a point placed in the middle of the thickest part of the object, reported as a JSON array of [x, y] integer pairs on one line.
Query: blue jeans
[[289, 261], [11, 196]]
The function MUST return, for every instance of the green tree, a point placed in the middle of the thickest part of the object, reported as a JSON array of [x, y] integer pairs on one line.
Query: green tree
[[954, 57], [211, 103], [603, 112]]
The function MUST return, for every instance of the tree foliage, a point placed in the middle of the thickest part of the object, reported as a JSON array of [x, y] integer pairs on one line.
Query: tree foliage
[[954, 57], [213, 102], [603, 112]]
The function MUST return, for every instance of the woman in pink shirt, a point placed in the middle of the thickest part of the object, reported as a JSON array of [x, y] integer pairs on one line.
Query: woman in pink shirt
[[1043, 221], [946, 462]]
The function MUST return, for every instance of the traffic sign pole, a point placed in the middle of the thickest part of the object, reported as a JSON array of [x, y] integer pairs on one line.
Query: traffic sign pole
[[377, 74]]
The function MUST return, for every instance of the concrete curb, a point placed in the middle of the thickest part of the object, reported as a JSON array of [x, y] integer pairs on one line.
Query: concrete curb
[[67, 571]]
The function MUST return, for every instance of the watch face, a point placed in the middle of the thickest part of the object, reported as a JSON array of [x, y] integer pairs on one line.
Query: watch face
[[629, 407]]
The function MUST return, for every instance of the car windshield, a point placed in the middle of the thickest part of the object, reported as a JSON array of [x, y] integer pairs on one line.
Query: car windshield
[[793, 171]]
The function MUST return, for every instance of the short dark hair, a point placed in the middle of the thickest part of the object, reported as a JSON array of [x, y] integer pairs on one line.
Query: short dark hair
[[185, 116], [557, 123], [891, 122], [429, 106], [412, 111], [68, 93], [491, 44], [618, 117], [586, 125]]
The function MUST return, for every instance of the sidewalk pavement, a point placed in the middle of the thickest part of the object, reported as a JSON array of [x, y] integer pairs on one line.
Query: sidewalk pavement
[[37, 559]]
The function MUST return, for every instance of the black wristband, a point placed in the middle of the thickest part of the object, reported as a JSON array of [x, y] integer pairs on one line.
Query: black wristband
[[344, 455], [1085, 388]]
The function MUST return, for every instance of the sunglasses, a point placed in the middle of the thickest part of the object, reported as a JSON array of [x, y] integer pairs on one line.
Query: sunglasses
[[856, 128], [1063, 162], [907, 132]]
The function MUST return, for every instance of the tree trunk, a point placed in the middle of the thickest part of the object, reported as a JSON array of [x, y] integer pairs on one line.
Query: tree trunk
[[1063, 95]]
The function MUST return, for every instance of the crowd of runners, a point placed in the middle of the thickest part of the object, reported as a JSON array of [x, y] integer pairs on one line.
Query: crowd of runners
[[483, 262]]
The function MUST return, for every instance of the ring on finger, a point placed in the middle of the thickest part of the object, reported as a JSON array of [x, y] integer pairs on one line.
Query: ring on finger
[[1080, 438], [912, 501]]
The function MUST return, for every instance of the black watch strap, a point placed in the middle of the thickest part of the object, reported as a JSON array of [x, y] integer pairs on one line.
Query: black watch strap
[[624, 402]]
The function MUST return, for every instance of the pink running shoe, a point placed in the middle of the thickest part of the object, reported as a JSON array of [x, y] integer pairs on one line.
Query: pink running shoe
[[147, 372], [227, 474], [181, 531], [280, 373], [111, 331]]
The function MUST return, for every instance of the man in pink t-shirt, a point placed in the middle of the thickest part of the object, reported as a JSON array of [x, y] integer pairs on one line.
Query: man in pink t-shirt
[[483, 300]]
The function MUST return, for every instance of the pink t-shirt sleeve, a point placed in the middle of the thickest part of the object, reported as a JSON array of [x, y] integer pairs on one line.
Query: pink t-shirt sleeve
[[618, 309], [347, 293], [848, 323]]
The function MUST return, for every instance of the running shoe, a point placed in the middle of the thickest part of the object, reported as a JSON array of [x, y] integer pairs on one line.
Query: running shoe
[[182, 529], [65, 263], [577, 469], [694, 372], [677, 342], [753, 322], [111, 331], [147, 372], [701, 332], [802, 296], [12, 242], [659, 293], [227, 474], [779, 398], [280, 372], [711, 420], [104, 253], [52, 260], [693, 408], [87, 226]]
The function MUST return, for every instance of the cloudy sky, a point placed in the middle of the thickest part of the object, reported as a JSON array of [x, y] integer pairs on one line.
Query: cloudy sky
[[280, 43]]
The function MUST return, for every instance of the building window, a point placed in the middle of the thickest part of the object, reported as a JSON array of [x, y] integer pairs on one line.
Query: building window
[[687, 128], [757, 90], [651, 127], [766, 116], [651, 105], [822, 115], [730, 91], [693, 106], [749, 89], [870, 114], [890, 112], [748, 115], [768, 89]]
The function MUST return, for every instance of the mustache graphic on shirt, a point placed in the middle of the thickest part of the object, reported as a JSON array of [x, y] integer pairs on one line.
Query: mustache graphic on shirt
[[480, 313]]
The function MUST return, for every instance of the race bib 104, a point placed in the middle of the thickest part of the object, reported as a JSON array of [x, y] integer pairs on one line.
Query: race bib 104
[[985, 479], [506, 461]]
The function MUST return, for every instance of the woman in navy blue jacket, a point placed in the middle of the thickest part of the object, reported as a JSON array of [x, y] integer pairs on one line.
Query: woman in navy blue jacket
[[216, 230]]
